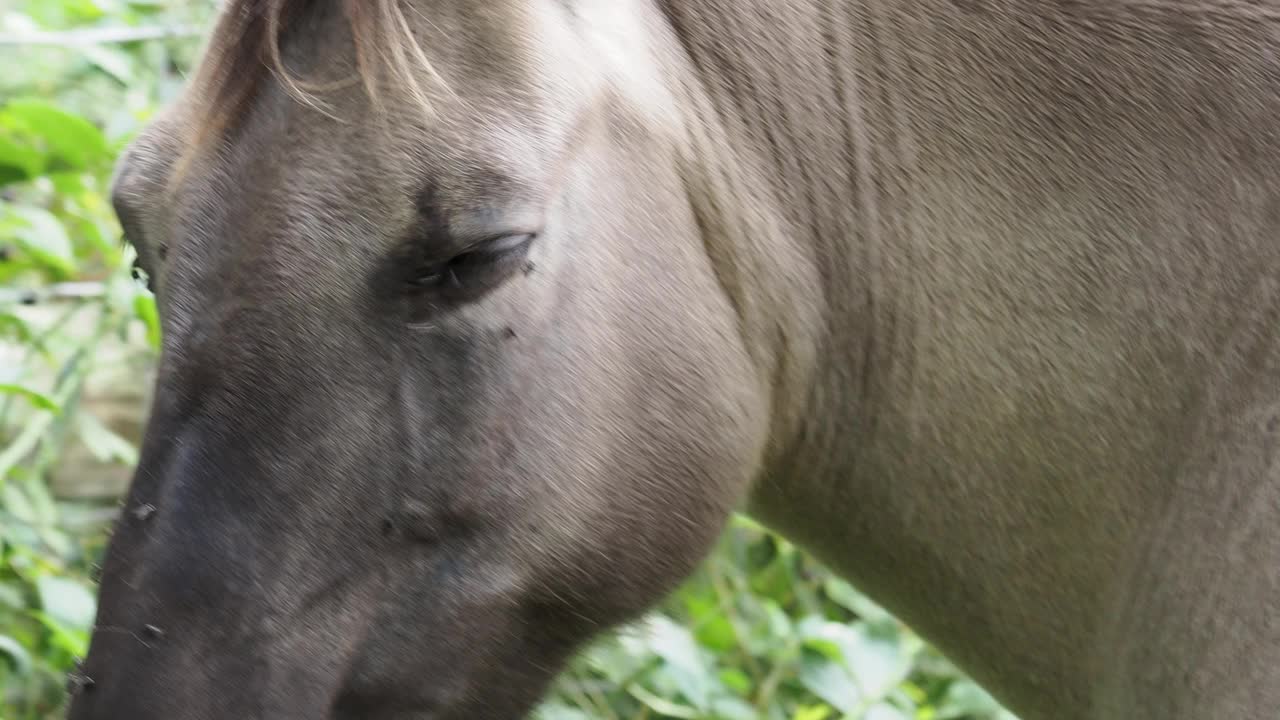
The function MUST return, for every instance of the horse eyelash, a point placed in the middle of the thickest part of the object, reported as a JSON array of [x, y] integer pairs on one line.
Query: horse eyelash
[[444, 273]]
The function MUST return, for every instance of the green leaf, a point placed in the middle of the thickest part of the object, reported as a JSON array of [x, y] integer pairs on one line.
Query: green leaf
[[885, 711], [68, 185], [13, 649], [69, 138], [57, 541], [732, 708], [738, 520], [780, 625], [111, 61], [736, 680], [559, 711], [120, 292], [675, 645], [878, 662], [11, 596], [70, 640], [661, 705], [66, 601], [17, 504], [144, 306], [101, 227], [40, 234], [713, 630], [18, 161], [14, 326], [613, 659], [109, 7], [40, 400], [844, 594], [830, 681], [964, 699], [814, 712], [42, 502], [105, 444]]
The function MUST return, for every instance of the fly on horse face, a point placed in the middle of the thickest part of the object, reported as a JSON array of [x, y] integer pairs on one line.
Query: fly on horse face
[[480, 318]]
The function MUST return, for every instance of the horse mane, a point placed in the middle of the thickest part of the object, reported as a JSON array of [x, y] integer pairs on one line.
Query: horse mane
[[244, 50]]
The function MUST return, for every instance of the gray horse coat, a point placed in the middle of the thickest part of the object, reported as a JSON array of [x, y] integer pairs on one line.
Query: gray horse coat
[[978, 300]]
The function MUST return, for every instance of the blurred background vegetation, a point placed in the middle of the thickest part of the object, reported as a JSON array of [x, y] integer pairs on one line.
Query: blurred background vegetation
[[762, 631]]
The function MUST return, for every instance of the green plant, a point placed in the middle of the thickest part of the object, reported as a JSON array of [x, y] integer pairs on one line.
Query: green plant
[[56, 228], [66, 110]]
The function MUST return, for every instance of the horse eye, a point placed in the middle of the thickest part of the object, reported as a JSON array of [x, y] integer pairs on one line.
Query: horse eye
[[427, 277], [141, 276], [477, 266], [507, 243]]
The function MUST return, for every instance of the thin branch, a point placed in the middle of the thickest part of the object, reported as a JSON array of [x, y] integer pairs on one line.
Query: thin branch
[[50, 293], [99, 36]]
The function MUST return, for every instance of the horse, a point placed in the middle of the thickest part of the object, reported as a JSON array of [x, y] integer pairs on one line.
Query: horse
[[480, 319]]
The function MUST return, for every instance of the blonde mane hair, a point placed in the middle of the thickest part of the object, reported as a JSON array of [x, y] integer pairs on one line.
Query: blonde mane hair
[[244, 50]]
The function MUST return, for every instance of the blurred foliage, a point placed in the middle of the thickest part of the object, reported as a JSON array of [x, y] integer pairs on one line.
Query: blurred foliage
[[761, 631], [66, 110]]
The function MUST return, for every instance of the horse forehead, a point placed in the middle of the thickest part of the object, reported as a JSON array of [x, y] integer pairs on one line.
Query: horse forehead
[[503, 108], [462, 166]]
